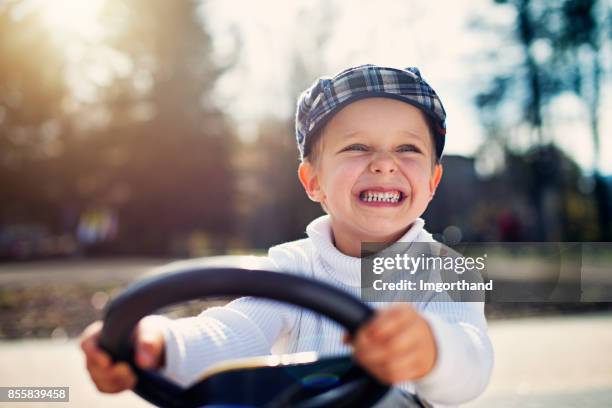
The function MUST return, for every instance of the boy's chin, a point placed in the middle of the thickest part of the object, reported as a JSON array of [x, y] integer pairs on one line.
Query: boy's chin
[[385, 231]]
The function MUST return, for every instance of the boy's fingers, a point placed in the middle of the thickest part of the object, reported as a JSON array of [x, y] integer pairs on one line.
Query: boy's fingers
[[372, 357], [89, 337], [118, 378], [390, 336], [381, 354], [389, 324], [410, 368], [368, 350], [89, 345], [99, 358], [128, 383], [107, 376], [115, 385], [123, 372], [406, 339], [149, 344]]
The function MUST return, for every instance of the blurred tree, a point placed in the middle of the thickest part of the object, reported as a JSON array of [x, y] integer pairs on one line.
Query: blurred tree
[[579, 45], [538, 86], [280, 209], [31, 118], [547, 34], [168, 147], [146, 142]]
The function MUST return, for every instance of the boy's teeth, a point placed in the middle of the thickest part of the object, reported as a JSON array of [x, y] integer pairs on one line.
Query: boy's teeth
[[377, 196]]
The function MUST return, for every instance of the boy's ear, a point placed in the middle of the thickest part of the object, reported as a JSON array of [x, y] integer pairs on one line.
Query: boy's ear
[[309, 180], [435, 180]]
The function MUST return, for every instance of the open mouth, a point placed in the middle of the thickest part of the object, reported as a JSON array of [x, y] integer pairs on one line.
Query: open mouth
[[372, 196]]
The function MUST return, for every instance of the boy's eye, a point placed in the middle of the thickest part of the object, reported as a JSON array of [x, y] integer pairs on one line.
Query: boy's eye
[[408, 148], [356, 147]]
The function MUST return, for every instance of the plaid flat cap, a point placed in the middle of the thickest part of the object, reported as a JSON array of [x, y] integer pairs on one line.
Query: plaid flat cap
[[327, 96]]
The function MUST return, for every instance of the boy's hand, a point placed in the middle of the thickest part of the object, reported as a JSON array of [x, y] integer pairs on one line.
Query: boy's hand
[[113, 377], [396, 345]]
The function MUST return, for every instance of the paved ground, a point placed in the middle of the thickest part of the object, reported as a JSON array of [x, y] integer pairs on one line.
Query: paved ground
[[540, 362], [543, 362], [55, 363], [551, 362]]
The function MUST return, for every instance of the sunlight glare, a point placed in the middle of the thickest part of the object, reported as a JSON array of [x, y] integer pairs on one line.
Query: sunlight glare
[[72, 18]]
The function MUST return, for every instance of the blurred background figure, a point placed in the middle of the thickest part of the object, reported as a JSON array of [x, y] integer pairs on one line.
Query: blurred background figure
[[98, 225]]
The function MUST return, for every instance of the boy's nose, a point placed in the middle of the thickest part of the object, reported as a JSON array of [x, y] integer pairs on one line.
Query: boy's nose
[[383, 163]]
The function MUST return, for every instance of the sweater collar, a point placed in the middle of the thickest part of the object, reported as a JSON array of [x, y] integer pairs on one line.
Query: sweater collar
[[339, 266]]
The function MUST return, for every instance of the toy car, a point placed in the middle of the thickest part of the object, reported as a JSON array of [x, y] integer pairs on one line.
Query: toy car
[[292, 380]]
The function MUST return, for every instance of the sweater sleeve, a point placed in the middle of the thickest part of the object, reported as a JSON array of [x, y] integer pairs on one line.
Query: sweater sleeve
[[244, 327], [464, 359], [464, 353]]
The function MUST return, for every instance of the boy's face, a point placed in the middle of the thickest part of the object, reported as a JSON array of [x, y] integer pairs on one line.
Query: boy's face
[[371, 147]]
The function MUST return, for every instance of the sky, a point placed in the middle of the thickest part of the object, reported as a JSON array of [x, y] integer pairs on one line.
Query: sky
[[401, 33], [437, 39]]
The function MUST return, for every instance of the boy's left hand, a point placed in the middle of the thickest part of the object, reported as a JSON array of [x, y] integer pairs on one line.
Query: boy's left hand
[[396, 345]]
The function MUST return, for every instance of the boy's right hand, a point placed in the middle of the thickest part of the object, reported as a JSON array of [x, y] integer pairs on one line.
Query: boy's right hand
[[111, 377]]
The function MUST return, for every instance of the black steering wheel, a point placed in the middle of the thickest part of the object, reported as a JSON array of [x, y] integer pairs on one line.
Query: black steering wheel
[[351, 385]]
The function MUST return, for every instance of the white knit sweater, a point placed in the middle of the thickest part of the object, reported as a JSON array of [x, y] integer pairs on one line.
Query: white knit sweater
[[250, 326]]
